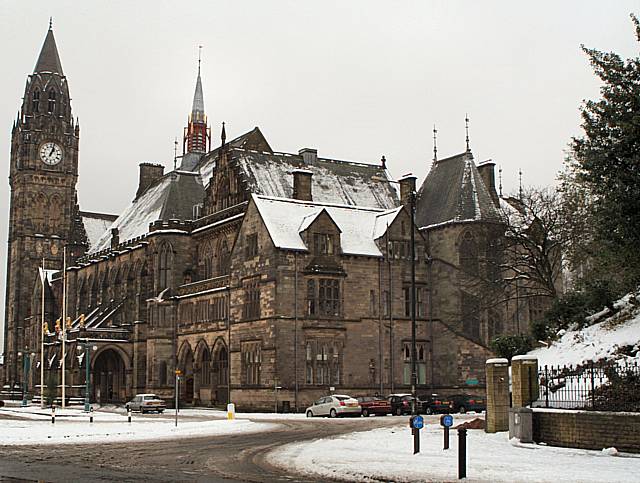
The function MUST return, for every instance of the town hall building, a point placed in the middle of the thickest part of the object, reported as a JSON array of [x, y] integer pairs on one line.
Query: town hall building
[[245, 270]]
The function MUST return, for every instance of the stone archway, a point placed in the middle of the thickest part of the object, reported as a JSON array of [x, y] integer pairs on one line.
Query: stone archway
[[185, 364], [220, 374], [109, 379]]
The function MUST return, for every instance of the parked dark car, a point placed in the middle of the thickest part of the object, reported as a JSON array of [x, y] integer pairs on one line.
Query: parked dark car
[[435, 404], [463, 403], [374, 405], [401, 403]]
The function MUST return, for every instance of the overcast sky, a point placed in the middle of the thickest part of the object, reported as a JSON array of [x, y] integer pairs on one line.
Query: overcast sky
[[354, 79]]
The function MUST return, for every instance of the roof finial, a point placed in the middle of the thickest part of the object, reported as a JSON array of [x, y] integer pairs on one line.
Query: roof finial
[[175, 153], [50, 23], [383, 160], [435, 144], [500, 180], [466, 127], [520, 189], [223, 135], [199, 57]]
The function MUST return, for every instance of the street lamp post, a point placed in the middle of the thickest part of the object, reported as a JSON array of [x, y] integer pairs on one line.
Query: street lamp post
[[414, 373], [87, 377]]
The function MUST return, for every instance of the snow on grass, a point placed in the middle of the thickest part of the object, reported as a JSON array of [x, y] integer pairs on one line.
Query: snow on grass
[[32, 426], [598, 341], [387, 455]]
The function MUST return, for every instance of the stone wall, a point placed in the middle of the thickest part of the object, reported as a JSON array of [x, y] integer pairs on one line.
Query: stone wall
[[587, 429]]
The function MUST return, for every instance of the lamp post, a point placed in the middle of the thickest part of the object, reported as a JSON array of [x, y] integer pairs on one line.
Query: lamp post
[[87, 378]]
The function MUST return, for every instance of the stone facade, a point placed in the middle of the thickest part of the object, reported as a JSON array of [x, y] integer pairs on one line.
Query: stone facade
[[203, 277]]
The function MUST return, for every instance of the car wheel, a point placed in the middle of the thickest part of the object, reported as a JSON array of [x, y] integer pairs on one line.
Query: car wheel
[[309, 414], [429, 411], [399, 412], [333, 413], [462, 410]]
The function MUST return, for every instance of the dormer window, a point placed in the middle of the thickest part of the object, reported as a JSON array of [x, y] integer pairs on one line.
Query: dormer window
[[323, 244], [35, 101], [51, 105]]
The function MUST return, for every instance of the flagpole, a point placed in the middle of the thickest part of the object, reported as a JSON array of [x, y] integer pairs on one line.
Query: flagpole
[[64, 321], [42, 277]]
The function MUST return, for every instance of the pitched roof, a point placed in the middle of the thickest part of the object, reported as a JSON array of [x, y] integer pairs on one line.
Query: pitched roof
[[49, 60], [452, 192], [172, 197], [285, 220], [95, 224], [333, 181]]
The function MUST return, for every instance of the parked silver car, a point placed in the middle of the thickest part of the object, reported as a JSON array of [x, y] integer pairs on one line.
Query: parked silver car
[[334, 406], [146, 403]]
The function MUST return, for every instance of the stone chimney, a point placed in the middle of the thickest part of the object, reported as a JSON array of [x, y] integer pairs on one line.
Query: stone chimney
[[115, 238], [407, 186], [149, 173], [488, 175], [302, 184], [309, 155]]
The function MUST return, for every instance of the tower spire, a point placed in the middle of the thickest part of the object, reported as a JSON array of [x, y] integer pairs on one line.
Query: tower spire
[[223, 135], [500, 180], [50, 23], [435, 144], [49, 60], [520, 182], [466, 128], [197, 133]]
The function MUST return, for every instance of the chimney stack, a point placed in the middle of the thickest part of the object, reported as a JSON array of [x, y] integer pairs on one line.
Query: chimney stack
[[302, 185], [309, 155], [115, 238], [407, 186], [487, 173], [149, 173]]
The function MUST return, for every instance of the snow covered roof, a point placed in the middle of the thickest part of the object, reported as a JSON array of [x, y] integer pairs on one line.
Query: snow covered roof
[[95, 225], [453, 191], [286, 219], [172, 197]]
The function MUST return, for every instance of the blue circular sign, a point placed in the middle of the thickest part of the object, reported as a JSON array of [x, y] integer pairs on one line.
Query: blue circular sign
[[418, 422], [447, 420]]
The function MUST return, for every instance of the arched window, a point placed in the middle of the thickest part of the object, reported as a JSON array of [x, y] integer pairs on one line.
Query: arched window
[[468, 253], [223, 258], [35, 101], [205, 368], [164, 266], [51, 105]]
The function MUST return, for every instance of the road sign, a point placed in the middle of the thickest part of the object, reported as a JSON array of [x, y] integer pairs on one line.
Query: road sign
[[446, 420], [417, 422]]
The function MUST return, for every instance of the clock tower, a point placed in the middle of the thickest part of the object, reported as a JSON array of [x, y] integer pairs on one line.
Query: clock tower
[[43, 216]]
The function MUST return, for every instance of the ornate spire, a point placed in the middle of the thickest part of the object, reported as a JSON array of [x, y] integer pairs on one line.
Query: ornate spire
[[197, 134], [223, 135], [435, 144], [49, 60], [197, 109], [500, 180], [520, 182], [466, 128]]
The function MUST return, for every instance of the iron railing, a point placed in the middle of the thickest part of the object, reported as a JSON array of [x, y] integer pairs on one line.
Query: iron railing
[[600, 386]]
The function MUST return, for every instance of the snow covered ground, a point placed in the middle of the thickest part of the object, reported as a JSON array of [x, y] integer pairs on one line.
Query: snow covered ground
[[32, 425], [600, 340], [386, 454]]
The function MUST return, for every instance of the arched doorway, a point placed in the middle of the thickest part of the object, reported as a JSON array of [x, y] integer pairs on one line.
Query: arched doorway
[[220, 379], [186, 366], [109, 384]]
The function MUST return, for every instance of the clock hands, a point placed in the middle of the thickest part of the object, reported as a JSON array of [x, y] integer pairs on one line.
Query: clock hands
[[53, 148]]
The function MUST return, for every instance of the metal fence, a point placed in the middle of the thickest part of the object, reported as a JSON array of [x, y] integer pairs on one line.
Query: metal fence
[[608, 386]]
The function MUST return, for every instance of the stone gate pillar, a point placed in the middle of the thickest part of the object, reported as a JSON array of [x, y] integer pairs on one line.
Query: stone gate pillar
[[497, 418], [524, 380]]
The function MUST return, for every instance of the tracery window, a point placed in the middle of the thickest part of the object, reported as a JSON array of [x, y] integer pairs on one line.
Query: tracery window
[[323, 244], [51, 105], [470, 315], [205, 368], [251, 307], [468, 253], [35, 101], [251, 362], [164, 266], [323, 297], [421, 362], [223, 258], [323, 362]]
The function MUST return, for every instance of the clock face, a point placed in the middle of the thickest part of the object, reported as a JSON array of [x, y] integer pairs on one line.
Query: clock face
[[50, 153]]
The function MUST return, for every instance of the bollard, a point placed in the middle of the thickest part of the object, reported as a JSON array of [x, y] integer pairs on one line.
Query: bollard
[[462, 453], [446, 437], [91, 414], [53, 415], [129, 414], [416, 423]]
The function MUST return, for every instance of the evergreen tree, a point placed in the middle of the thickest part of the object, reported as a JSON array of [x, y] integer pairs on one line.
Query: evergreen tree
[[606, 164]]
